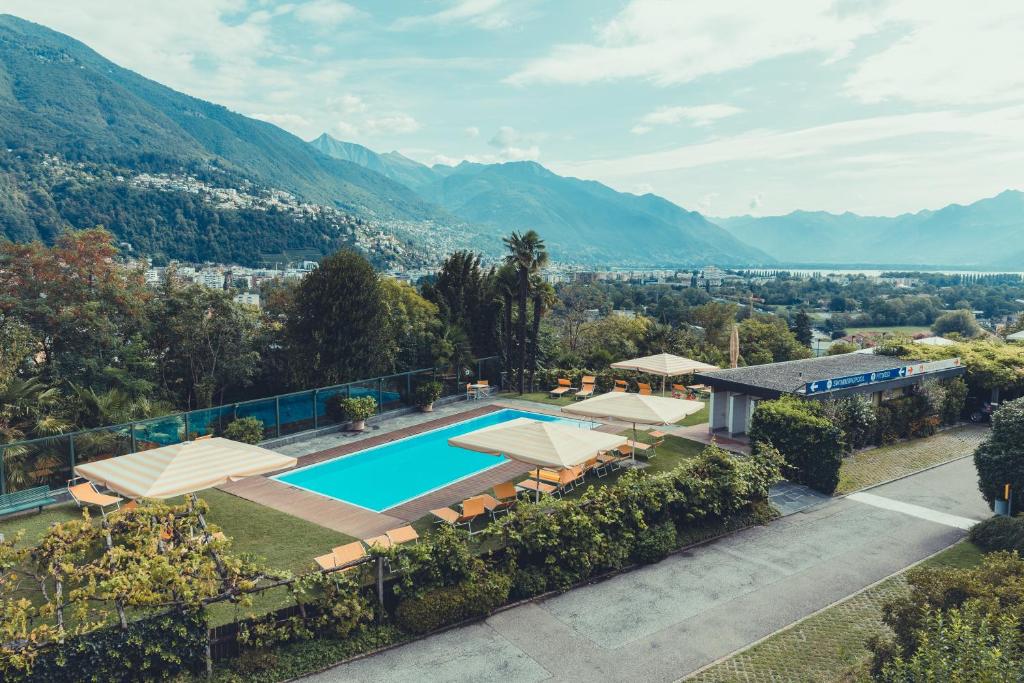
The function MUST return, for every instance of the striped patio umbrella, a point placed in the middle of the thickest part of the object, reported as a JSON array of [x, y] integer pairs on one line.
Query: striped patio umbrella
[[664, 365], [183, 468]]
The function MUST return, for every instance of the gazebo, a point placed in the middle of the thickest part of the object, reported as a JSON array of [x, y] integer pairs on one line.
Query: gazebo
[[539, 443], [664, 365], [183, 468], [635, 408]]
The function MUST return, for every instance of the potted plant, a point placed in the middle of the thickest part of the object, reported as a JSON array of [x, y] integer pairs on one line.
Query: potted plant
[[426, 394], [357, 410]]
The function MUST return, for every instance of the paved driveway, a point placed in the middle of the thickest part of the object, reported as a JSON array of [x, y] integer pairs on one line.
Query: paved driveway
[[664, 621]]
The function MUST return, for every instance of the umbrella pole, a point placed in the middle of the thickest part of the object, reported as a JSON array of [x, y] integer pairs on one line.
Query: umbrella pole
[[663, 385], [537, 498], [633, 454]]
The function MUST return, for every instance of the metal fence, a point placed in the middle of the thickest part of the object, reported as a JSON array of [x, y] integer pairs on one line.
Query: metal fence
[[50, 460]]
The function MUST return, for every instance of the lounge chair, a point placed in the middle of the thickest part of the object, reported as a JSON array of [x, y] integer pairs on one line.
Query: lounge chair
[[565, 479], [494, 506], [342, 555], [86, 493], [472, 508], [382, 542], [679, 391], [587, 388], [606, 462], [534, 486], [640, 448], [403, 534], [505, 492], [621, 385], [645, 389], [564, 387]]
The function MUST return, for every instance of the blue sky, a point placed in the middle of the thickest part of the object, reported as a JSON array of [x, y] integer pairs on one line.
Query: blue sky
[[873, 106]]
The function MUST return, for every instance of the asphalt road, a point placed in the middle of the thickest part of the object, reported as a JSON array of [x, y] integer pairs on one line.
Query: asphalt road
[[662, 622]]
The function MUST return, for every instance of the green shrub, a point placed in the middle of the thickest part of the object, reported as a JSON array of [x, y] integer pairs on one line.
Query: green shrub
[[426, 393], [341, 409], [855, 416], [654, 543], [245, 429], [1000, 457], [999, 533], [952, 406], [811, 444], [528, 582], [439, 607], [905, 417]]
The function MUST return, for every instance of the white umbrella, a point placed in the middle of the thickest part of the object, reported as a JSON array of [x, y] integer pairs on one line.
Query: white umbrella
[[664, 365], [183, 468], [636, 408], [535, 442]]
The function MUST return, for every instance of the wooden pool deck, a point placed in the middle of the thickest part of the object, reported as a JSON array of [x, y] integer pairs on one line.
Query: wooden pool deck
[[359, 522]]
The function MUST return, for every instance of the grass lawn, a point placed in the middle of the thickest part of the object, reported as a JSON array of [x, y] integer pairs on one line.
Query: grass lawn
[[541, 397], [829, 646], [877, 465]]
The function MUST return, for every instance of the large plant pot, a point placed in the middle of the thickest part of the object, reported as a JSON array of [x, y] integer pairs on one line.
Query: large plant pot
[[429, 408], [357, 425]]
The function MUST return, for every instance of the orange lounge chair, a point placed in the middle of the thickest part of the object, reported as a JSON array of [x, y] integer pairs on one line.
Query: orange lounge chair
[[87, 494], [403, 534], [494, 506], [342, 555], [606, 462], [382, 542], [679, 391], [621, 385], [564, 387], [587, 388], [565, 478], [645, 389], [505, 492], [471, 509], [535, 486]]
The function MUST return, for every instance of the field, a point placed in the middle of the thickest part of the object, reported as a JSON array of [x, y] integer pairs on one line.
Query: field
[[909, 330]]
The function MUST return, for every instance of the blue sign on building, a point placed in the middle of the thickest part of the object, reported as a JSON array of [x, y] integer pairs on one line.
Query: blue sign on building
[[823, 385]]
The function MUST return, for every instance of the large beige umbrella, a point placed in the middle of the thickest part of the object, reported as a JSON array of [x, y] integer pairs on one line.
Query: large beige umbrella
[[636, 408], [183, 468], [665, 365], [535, 442]]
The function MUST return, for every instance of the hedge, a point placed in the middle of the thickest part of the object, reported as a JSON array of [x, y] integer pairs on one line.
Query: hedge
[[438, 607], [156, 648], [810, 443]]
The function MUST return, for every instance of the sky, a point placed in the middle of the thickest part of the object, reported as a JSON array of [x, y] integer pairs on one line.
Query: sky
[[759, 107]]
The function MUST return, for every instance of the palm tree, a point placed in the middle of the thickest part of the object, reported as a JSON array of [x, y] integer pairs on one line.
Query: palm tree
[[544, 299], [25, 413], [528, 256]]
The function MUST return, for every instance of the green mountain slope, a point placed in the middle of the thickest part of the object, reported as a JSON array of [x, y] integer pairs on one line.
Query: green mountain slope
[[988, 233], [580, 220], [59, 96]]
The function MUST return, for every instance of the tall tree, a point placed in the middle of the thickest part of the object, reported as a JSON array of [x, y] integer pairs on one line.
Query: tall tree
[[464, 294], [527, 254], [338, 328], [206, 344], [543, 297], [802, 328], [505, 292]]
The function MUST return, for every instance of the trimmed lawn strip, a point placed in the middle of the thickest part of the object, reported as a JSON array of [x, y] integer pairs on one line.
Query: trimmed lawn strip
[[831, 645], [885, 463]]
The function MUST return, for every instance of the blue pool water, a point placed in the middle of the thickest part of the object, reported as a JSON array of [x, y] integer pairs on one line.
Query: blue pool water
[[382, 477]]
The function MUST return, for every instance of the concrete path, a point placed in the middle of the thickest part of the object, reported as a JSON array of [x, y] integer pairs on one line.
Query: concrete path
[[662, 622]]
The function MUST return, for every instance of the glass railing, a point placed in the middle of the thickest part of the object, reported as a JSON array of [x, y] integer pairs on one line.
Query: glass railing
[[51, 460]]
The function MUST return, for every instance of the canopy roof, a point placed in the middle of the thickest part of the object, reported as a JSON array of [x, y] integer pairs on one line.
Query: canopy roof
[[636, 408], [538, 443], [183, 468], [664, 364]]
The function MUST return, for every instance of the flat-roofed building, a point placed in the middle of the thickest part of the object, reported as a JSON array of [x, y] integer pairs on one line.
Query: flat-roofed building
[[735, 392]]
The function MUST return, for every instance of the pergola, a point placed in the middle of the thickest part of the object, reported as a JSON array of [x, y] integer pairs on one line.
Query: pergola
[[664, 365]]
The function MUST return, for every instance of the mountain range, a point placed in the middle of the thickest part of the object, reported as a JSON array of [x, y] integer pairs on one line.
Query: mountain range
[[988, 233], [83, 139]]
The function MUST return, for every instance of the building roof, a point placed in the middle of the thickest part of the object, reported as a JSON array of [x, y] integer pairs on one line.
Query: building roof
[[788, 377], [1016, 336], [935, 341]]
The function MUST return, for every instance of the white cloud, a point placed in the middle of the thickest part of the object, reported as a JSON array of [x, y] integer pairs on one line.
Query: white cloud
[[472, 132], [515, 145], [344, 130], [700, 115], [325, 13], [392, 124], [348, 103], [1005, 124], [484, 14], [756, 201], [949, 54], [669, 42]]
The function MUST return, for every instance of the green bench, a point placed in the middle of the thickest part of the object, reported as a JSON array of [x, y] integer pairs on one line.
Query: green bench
[[26, 500]]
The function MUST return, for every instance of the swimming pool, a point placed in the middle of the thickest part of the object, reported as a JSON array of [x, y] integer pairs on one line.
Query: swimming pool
[[384, 476]]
